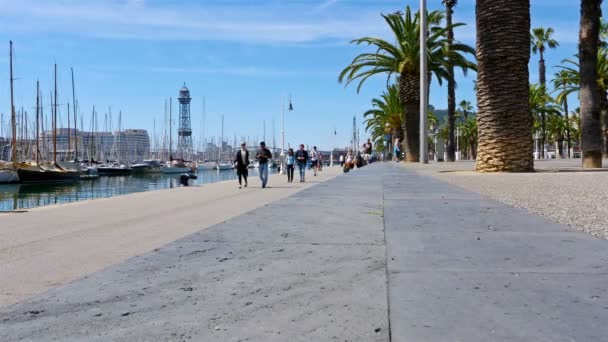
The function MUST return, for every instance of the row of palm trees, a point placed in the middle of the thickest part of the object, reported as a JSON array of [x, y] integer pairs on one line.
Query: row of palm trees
[[510, 110]]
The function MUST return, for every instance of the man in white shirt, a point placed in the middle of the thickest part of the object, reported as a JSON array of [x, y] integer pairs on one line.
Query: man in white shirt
[[314, 159]]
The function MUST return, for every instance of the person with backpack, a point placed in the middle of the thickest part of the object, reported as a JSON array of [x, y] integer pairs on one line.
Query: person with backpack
[[290, 162], [263, 156], [301, 158]]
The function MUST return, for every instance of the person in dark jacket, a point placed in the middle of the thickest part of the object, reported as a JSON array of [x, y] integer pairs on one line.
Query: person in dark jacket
[[241, 162], [301, 159], [263, 156]]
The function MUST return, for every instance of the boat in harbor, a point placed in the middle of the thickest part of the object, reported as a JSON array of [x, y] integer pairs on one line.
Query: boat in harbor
[[114, 170], [36, 173], [207, 166], [177, 166], [148, 166], [224, 166], [7, 174]]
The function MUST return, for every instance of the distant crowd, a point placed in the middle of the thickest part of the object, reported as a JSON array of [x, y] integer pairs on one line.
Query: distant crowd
[[301, 159]]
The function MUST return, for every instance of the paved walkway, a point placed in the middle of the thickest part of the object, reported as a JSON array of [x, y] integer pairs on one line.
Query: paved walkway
[[338, 262]]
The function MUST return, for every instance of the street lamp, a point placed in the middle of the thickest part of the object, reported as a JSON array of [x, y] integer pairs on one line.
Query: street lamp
[[457, 143], [282, 155], [423, 81]]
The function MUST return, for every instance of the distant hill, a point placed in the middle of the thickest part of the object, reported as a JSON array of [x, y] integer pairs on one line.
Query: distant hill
[[442, 114]]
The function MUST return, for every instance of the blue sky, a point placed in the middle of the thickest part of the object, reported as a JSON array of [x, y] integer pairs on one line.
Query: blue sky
[[242, 56]]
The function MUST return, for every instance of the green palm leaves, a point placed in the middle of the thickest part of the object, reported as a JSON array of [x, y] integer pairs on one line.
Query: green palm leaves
[[541, 39], [386, 114], [402, 57]]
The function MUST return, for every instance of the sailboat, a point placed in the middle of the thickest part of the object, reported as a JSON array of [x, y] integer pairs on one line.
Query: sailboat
[[220, 164], [7, 170], [37, 172], [115, 168]]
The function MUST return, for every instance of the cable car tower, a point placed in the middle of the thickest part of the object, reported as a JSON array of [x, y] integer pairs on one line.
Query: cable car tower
[[184, 143]]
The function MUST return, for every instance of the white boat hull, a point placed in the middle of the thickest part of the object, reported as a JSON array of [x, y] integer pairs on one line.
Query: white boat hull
[[8, 176], [174, 169]]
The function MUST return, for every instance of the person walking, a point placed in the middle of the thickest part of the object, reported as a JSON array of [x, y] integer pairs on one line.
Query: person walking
[[241, 162], [263, 156], [367, 151], [314, 160], [301, 158], [290, 161], [341, 160], [397, 150]]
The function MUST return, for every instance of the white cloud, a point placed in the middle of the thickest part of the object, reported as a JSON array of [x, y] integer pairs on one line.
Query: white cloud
[[249, 23], [327, 3]]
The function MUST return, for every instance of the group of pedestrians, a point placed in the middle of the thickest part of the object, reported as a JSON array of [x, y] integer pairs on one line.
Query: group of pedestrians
[[298, 158]]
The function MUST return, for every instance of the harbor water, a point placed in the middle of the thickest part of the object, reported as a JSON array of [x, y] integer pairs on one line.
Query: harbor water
[[26, 196]]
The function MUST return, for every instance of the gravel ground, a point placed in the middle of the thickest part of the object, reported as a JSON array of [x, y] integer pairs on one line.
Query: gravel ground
[[576, 199]]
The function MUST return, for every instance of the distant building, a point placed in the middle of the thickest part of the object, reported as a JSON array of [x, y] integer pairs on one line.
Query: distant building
[[130, 145]]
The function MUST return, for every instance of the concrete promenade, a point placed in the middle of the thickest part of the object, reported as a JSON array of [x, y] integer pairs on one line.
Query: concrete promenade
[[337, 262]]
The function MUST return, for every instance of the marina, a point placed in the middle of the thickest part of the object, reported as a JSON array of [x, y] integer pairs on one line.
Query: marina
[[14, 197]]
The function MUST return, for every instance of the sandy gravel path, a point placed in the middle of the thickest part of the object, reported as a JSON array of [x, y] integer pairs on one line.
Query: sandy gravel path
[[49, 246]]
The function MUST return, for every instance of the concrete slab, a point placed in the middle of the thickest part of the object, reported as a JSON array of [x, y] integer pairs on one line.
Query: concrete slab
[[465, 268], [282, 272], [476, 306]]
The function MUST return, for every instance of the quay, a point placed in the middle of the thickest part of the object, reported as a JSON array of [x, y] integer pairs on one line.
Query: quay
[[382, 253]]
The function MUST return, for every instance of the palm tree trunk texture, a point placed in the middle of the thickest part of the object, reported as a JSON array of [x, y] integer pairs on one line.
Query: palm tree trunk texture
[[451, 90], [543, 123], [409, 94], [504, 119], [591, 135]]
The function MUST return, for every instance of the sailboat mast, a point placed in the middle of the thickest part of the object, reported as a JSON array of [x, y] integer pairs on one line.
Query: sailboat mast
[[55, 120], [170, 128], [69, 142], [13, 116], [75, 111], [37, 119]]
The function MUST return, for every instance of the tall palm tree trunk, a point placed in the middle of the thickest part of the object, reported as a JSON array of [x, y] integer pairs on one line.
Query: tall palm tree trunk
[[451, 89], [409, 94], [591, 135], [504, 119]]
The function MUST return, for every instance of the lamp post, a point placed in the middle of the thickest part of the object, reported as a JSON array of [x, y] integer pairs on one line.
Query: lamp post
[[282, 155], [457, 143], [424, 158]]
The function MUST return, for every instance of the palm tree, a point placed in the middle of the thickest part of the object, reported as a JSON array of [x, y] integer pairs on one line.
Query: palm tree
[[469, 136], [540, 39], [562, 85], [449, 9], [557, 128], [572, 78], [542, 105], [402, 59], [589, 41], [503, 116], [465, 107], [385, 116]]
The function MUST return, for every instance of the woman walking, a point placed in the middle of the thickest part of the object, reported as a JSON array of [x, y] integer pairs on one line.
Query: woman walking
[[241, 161], [291, 161]]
